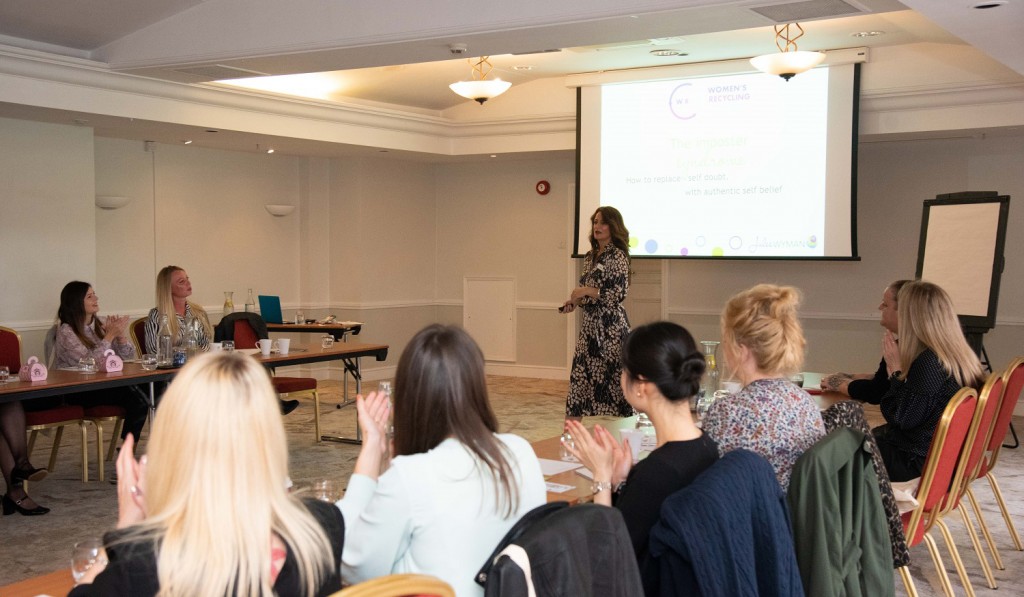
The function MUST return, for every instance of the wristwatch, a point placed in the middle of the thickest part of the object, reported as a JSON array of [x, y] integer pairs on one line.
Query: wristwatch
[[598, 486]]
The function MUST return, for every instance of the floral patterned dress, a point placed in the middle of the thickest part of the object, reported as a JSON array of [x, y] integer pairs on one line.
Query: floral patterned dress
[[594, 382], [771, 417]]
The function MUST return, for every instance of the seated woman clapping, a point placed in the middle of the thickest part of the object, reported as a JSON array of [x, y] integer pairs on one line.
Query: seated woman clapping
[[661, 372], [206, 511], [454, 487]]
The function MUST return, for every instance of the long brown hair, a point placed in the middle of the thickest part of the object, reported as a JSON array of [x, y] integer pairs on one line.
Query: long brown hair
[[616, 228], [441, 392], [72, 311]]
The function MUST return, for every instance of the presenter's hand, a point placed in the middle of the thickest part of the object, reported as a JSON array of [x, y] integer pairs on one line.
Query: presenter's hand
[[567, 307], [583, 292]]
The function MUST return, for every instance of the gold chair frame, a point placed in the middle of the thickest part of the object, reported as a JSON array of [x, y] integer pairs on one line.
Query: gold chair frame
[[929, 518], [399, 585]]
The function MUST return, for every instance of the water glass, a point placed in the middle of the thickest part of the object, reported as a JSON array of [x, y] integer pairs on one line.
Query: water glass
[[326, 491], [148, 362], [300, 318], [5, 372], [84, 555], [87, 364], [227, 345], [327, 341], [564, 453], [797, 379]]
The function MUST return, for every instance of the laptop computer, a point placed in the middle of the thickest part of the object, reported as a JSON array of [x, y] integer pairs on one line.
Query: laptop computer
[[270, 309]]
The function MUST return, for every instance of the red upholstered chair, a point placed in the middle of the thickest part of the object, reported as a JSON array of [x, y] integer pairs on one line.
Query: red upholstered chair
[[58, 417], [10, 349], [98, 415], [1013, 383], [245, 337], [940, 474], [138, 331]]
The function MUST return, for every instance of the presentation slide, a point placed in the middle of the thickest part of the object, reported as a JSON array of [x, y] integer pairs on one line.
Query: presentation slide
[[719, 166]]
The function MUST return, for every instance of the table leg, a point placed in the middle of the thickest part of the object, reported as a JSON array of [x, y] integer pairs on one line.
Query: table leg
[[152, 403], [350, 365]]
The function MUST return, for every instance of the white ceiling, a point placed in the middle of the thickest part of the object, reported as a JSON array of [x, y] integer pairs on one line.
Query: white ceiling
[[397, 51]]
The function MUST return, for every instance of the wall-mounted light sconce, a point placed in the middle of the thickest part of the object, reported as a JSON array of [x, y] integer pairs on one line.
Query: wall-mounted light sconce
[[279, 210], [112, 201]]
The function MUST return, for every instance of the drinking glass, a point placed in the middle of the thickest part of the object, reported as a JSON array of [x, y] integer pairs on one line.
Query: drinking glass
[[327, 341], [563, 448], [797, 379], [326, 491], [87, 364], [149, 361], [5, 372], [227, 345], [300, 318], [84, 555]]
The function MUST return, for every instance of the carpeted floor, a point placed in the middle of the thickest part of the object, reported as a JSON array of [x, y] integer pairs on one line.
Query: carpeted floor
[[529, 407]]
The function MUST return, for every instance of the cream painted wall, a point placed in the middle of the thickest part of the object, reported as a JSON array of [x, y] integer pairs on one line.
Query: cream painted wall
[[47, 218]]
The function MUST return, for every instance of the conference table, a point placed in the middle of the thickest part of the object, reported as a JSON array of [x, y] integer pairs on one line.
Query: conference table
[[575, 488], [56, 583], [339, 330], [59, 382]]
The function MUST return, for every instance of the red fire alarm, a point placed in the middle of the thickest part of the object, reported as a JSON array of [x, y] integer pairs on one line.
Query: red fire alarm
[[543, 187]]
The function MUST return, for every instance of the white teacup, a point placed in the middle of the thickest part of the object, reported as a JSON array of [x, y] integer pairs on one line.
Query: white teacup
[[283, 345], [265, 346], [635, 437], [216, 347]]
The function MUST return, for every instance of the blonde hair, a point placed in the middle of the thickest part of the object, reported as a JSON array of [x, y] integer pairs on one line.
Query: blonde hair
[[927, 320], [764, 319], [215, 485], [165, 303]]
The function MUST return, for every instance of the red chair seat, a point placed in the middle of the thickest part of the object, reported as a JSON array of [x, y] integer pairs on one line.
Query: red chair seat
[[53, 415], [287, 385], [104, 410]]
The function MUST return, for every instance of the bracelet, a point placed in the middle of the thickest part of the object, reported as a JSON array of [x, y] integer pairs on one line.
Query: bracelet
[[598, 486]]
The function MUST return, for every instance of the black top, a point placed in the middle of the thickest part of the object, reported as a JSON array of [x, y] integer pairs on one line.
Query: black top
[[912, 407], [666, 470], [132, 567], [870, 390]]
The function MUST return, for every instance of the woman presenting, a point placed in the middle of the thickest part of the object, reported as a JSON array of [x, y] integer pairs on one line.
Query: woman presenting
[[594, 387]]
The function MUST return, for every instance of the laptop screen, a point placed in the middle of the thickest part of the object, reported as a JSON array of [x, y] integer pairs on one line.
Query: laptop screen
[[270, 309]]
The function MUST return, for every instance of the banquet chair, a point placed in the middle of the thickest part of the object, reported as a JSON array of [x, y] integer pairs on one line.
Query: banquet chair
[[970, 461], [938, 476], [1013, 383], [138, 332], [245, 336], [399, 585], [49, 418]]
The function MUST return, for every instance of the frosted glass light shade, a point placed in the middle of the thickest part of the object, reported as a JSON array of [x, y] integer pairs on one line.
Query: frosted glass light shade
[[787, 64], [480, 90]]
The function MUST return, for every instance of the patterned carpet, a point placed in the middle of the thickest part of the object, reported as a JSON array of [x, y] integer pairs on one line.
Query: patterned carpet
[[531, 408]]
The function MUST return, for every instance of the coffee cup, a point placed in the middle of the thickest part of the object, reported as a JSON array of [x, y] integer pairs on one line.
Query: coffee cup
[[216, 347], [265, 346], [283, 345]]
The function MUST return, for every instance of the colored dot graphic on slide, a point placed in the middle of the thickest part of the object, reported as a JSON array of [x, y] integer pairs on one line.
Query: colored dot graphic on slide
[[812, 241], [651, 246], [717, 252], [684, 251], [633, 242]]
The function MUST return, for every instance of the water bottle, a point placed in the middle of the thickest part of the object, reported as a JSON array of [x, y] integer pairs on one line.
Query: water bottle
[[191, 339], [649, 438], [384, 387], [164, 356], [250, 303]]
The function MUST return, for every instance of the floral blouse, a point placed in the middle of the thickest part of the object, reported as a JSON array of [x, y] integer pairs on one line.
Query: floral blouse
[[772, 417], [69, 348]]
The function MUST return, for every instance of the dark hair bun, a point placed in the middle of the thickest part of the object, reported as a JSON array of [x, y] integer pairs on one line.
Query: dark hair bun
[[665, 354]]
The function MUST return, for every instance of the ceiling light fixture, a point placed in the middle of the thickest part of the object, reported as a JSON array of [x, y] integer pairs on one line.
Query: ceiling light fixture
[[187, 141], [270, 150], [666, 53], [479, 88], [788, 61]]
